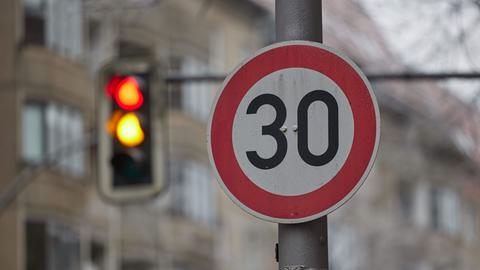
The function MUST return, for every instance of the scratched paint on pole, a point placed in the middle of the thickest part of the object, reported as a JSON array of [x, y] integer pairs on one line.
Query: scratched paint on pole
[[293, 132]]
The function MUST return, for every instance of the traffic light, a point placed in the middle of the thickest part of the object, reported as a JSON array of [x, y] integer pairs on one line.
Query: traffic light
[[127, 147], [129, 128]]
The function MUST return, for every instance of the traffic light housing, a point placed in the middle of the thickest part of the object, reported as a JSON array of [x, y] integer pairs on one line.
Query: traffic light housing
[[129, 127], [127, 145]]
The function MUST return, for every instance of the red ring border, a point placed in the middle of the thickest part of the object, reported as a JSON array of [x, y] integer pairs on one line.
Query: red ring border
[[357, 163]]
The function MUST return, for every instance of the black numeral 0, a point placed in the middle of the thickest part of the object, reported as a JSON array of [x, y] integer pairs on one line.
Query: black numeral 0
[[302, 118], [302, 113]]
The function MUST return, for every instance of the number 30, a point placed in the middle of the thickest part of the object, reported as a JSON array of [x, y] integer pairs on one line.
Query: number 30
[[302, 119]]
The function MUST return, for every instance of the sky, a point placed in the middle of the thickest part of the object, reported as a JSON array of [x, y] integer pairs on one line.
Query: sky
[[432, 36]]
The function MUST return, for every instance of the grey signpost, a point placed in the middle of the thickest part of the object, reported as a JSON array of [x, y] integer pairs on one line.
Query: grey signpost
[[303, 245], [294, 187]]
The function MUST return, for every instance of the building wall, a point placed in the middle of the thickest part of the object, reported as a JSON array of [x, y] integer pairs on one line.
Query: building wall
[[415, 207], [53, 197], [9, 221]]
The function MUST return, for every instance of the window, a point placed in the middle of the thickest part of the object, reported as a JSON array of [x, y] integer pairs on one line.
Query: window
[[193, 194], [345, 242], [406, 199], [97, 256], [132, 49], [36, 243], [416, 205], [94, 33], [63, 248], [34, 5], [56, 24], [196, 98], [471, 223], [216, 51], [34, 21], [129, 264], [450, 211], [198, 190], [76, 159], [51, 246], [267, 29], [182, 265], [55, 134], [175, 90], [444, 210], [254, 245], [435, 207], [33, 135], [464, 142], [421, 214]]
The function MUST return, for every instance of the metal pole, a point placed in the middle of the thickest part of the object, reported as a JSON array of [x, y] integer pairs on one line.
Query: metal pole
[[304, 245], [298, 20]]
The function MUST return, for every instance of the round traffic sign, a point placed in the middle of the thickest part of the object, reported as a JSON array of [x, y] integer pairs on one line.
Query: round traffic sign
[[293, 132]]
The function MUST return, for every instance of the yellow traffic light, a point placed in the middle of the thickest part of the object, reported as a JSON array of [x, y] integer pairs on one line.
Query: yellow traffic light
[[129, 131]]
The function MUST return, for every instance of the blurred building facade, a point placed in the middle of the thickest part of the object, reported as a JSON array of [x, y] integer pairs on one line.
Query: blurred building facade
[[418, 209], [47, 100], [55, 53]]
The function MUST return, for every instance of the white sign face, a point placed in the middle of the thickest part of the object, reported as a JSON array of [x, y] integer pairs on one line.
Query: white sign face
[[293, 132], [290, 86]]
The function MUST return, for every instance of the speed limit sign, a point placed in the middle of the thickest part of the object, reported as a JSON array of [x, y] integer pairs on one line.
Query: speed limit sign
[[293, 132]]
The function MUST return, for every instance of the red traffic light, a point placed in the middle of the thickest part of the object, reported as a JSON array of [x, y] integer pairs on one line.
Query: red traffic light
[[126, 92]]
